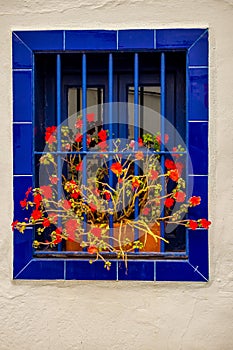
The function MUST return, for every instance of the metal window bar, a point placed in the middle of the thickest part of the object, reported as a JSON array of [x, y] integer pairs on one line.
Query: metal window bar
[[84, 130], [162, 132], [136, 135]]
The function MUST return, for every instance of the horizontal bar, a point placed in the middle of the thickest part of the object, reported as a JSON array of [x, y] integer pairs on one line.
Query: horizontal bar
[[83, 254], [111, 152]]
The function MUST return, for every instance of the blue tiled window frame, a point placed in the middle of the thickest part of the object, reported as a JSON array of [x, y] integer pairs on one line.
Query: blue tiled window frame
[[195, 42]]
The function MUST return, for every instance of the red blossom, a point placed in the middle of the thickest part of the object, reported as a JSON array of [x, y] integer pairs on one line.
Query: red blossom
[[50, 134], [174, 155], [36, 214], [14, 224], [154, 174], [169, 164], [145, 211], [37, 200], [140, 142], [75, 195], [93, 207], [66, 204], [135, 183], [107, 195], [96, 231], [47, 192], [193, 224], [179, 167], [23, 203], [102, 135], [169, 202], [53, 180], [117, 168], [46, 222], [139, 155], [28, 191], [88, 140], [103, 146], [132, 144], [79, 123], [194, 201], [78, 137], [71, 226], [92, 249], [90, 117], [166, 138], [79, 167], [58, 238], [180, 196], [205, 223], [174, 175]]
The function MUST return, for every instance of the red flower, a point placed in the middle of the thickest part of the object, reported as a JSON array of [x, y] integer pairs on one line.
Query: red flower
[[14, 224], [28, 191], [79, 167], [36, 214], [139, 155], [58, 238], [50, 134], [140, 142], [88, 140], [132, 144], [53, 180], [174, 175], [78, 137], [194, 201], [93, 207], [23, 203], [47, 192], [169, 202], [135, 183], [90, 117], [205, 223], [154, 174], [37, 200], [107, 195], [174, 155], [192, 224], [79, 123], [179, 196], [102, 135], [75, 195], [166, 138], [116, 168], [66, 204], [179, 167], [71, 226], [96, 231], [169, 164], [92, 249], [46, 222], [145, 211]]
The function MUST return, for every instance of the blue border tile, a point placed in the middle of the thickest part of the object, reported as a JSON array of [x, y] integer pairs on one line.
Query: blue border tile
[[198, 147], [136, 271], [43, 269], [83, 270], [177, 38], [136, 39], [22, 55], [42, 40], [198, 53], [198, 251], [200, 188], [22, 250], [198, 94], [22, 96], [22, 148], [90, 40], [177, 271], [21, 184]]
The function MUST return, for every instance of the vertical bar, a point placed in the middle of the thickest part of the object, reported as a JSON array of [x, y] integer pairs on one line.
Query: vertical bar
[[84, 130], [136, 134], [187, 142], [59, 168], [162, 133], [110, 123]]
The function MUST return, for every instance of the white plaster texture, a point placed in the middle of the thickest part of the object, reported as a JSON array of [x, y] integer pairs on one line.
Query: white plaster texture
[[125, 315]]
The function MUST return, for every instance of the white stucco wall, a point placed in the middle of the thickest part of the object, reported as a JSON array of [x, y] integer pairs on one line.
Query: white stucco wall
[[124, 315]]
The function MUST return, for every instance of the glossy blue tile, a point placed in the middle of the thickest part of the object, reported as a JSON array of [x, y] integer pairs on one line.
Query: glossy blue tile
[[22, 250], [136, 39], [198, 94], [83, 270], [22, 55], [43, 39], [22, 96], [198, 251], [136, 271], [21, 184], [198, 53], [176, 38], [198, 147], [22, 147], [90, 40], [43, 269], [176, 271], [200, 188]]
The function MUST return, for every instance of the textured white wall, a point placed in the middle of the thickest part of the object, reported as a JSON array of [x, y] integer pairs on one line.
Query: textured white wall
[[125, 315]]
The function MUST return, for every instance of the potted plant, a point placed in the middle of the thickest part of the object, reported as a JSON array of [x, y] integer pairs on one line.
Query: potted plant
[[111, 199]]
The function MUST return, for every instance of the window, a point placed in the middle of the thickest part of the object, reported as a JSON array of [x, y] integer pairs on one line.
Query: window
[[169, 70]]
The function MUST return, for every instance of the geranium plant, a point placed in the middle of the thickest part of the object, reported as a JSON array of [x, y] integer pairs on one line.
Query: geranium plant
[[102, 191]]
